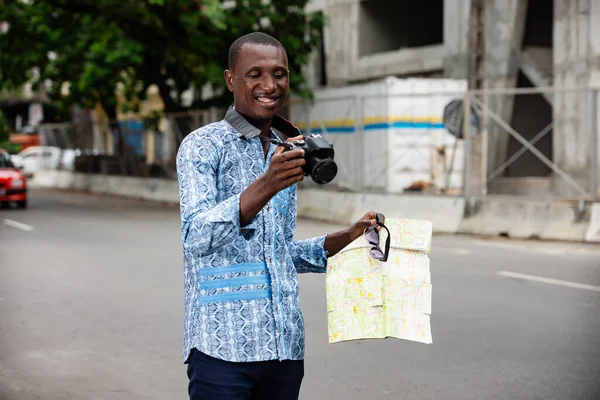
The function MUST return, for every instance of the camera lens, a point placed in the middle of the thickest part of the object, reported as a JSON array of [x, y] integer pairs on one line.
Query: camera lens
[[324, 171]]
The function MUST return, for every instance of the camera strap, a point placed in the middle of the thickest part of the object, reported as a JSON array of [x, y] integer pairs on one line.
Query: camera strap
[[277, 141], [284, 126]]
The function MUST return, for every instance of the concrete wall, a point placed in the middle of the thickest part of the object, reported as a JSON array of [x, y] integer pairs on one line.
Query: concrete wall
[[388, 26], [349, 26], [456, 29], [359, 47], [505, 23], [361, 43], [576, 64], [492, 216]]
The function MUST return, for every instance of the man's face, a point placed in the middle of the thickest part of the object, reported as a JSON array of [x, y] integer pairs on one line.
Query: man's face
[[259, 81]]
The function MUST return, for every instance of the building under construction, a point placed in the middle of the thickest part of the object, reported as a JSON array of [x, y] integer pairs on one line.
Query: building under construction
[[535, 63]]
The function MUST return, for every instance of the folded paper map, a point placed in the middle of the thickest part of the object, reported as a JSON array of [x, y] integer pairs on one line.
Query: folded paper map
[[371, 299]]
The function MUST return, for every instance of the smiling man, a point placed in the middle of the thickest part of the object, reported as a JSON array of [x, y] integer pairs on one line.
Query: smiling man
[[243, 327]]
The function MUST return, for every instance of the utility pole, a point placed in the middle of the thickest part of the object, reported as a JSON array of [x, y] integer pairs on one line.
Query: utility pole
[[476, 139]]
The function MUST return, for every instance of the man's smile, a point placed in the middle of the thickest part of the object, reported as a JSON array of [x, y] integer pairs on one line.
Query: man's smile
[[267, 100]]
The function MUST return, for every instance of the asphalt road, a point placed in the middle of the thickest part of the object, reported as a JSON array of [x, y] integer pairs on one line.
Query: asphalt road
[[91, 308]]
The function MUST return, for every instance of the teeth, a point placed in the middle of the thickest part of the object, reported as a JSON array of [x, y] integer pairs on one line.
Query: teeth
[[266, 100]]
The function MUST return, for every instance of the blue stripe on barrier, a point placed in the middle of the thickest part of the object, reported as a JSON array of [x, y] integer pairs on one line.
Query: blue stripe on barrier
[[376, 126]]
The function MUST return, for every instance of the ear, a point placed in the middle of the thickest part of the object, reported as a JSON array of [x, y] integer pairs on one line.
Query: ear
[[228, 79]]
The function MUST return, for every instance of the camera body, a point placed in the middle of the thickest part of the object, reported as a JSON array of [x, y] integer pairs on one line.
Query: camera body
[[319, 155]]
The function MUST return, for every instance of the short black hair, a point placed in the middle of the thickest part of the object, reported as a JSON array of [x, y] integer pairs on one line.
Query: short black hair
[[250, 38]]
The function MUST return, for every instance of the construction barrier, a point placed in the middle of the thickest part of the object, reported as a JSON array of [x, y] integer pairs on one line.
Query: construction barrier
[[491, 216]]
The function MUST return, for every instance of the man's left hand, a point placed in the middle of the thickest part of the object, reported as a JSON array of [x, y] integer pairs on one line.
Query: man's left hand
[[368, 220], [338, 240]]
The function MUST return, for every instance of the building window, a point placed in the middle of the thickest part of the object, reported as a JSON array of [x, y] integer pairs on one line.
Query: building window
[[391, 25]]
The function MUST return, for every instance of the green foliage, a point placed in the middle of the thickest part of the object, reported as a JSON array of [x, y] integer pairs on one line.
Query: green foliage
[[287, 21], [4, 135], [4, 128], [11, 148], [96, 46]]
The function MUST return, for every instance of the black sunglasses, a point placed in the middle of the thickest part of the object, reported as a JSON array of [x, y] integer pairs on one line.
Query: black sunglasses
[[372, 236]]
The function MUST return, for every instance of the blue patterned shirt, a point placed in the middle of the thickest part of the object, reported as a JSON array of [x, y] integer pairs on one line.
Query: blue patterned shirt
[[240, 283]]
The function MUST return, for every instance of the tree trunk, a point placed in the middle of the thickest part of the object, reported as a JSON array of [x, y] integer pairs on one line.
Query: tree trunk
[[117, 134], [165, 93]]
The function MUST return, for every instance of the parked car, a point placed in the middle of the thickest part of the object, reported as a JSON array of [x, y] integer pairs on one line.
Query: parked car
[[13, 184], [36, 158]]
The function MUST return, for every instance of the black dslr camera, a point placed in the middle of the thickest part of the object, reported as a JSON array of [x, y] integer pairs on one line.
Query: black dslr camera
[[318, 154]]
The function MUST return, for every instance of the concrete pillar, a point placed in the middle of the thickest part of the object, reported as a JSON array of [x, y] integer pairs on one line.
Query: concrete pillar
[[576, 64], [149, 145], [505, 23], [341, 39], [456, 31]]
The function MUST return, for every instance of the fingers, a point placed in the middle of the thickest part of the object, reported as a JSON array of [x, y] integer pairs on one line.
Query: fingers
[[286, 167], [294, 163], [289, 169], [366, 225], [286, 156], [374, 215], [294, 139], [292, 173], [371, 219], [294, 179]]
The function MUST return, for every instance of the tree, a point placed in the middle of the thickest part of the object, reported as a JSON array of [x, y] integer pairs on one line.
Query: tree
[[94, 47], [5, 134]]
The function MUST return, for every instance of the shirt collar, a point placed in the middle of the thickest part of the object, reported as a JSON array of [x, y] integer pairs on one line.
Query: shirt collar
[[249, 131]]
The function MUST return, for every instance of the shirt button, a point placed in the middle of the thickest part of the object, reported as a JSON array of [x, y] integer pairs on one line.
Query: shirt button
[[270, 260], [268, 207]]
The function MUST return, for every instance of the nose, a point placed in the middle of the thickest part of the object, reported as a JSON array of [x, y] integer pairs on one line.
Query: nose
[[268, 83]]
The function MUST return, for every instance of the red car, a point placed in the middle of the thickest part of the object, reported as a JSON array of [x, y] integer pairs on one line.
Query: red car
[[13, 186]]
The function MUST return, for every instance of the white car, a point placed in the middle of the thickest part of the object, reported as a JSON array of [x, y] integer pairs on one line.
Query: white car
[[36, 158]]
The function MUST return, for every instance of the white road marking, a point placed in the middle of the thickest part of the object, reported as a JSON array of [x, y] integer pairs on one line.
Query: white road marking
[[18, 225], [541, 247], [549, 281], [462, 252]]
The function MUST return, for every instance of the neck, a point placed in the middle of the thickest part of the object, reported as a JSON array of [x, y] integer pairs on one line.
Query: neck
[[264, 125]]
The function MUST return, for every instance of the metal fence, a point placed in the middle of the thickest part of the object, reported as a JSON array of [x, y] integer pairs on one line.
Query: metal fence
[[390, 143], [535, 142], [124, 147]]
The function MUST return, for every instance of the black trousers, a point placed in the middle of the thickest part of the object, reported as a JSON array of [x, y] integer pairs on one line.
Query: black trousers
[[214, 379]]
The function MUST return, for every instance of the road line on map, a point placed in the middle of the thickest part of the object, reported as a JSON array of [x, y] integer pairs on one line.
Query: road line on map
[[18, 225], [550, 281]]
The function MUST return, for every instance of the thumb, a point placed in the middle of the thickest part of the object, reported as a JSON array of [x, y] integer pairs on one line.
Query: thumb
[[366, 223], [278, 150]]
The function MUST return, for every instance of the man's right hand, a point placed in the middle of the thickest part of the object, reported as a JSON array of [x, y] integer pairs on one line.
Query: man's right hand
[[285, 169]]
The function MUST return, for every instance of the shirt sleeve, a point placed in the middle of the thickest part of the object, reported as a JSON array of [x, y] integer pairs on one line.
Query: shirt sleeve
[[308, 255], [206, 224]]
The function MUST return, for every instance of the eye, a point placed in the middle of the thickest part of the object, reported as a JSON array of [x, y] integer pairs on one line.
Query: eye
[[253, 75]]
